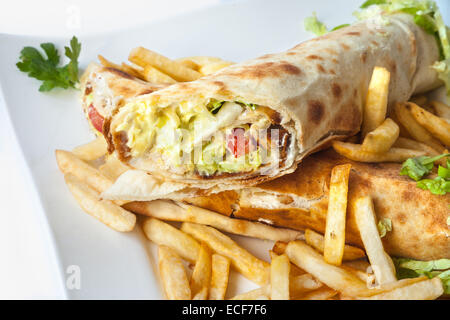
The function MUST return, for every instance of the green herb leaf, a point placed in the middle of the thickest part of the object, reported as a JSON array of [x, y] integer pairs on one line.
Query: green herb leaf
[[46, 68]]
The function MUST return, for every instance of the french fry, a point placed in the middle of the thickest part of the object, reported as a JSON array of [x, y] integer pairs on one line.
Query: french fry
[[219, 277], [300, 285], [201, 276], [167, 210], [334, 277], [355, 153], [323, 293], [442, 110], [164, 234], [173, 274], [201, 61], [381, 263], [334, 242], [406, 143], [294, 270], [418, 132], [151, 74], [69, 163], [132, 70], [188, 64], [214, 67], [91, 150], [316, 241], [262, 293], [108, 64], [104, 210], [248, 265], [361, 264], [424, 290], [112, 168], [377, 99], [279, 278], [438, 127], [144, 57], [382, 138]]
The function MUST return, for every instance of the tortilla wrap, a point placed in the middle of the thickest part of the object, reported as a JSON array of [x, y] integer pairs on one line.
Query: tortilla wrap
[[300, 201], [313, 94]]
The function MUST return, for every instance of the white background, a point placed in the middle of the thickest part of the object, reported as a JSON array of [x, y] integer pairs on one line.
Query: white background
[[27, 265]]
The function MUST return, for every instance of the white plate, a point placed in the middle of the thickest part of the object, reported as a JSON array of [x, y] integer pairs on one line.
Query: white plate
[[115, 265]]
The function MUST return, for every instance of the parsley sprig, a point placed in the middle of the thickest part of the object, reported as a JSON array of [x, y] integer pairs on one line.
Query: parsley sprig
[[417, 168], [47, 70]]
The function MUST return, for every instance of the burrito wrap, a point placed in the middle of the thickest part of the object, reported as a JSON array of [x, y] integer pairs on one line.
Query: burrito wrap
[[316, 91]]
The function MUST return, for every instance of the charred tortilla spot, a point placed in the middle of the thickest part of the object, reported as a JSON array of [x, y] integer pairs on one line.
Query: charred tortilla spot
[[408, 195], [401, 218], [375, 43], [120, 73], [337, 91], [332, 72], [345, 47], [266, 70], [291, 53], [314, 57], [316, 111], [335, 61], [321, 68], [353, 33], [331, 51], [364, 57], [88, 89]]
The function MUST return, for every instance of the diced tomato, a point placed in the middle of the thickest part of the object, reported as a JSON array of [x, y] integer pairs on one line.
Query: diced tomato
[[237, 143], [96, 118]]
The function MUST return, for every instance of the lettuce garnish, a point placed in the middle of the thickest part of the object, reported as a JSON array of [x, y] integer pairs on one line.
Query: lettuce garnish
[[408, 268]]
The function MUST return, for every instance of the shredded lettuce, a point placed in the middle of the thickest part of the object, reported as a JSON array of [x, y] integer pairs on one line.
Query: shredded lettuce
[[408, 268], [313, 25], [384, 226]]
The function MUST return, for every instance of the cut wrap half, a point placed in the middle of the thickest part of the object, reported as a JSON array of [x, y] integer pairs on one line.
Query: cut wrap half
[[255, 121]]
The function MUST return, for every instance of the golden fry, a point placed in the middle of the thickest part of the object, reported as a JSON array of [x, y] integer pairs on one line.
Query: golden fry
[[428, 289], [418, 132], [91, 150], [382, 138], [248, 265], [337, 207], [376, 101], [442, 110], [279, 278], [164, 234], [380, 261], [153, 75], [219, 277], [201, 276], [173, 275], [438, 127], [104, 210], [262, 293], [112, 168], [354, 152], [316, 241], [167, 210], [144, 58]]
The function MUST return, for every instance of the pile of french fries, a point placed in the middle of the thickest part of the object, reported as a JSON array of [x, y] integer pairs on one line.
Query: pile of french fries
[[416, 128], [153, 67], [304, 265]]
